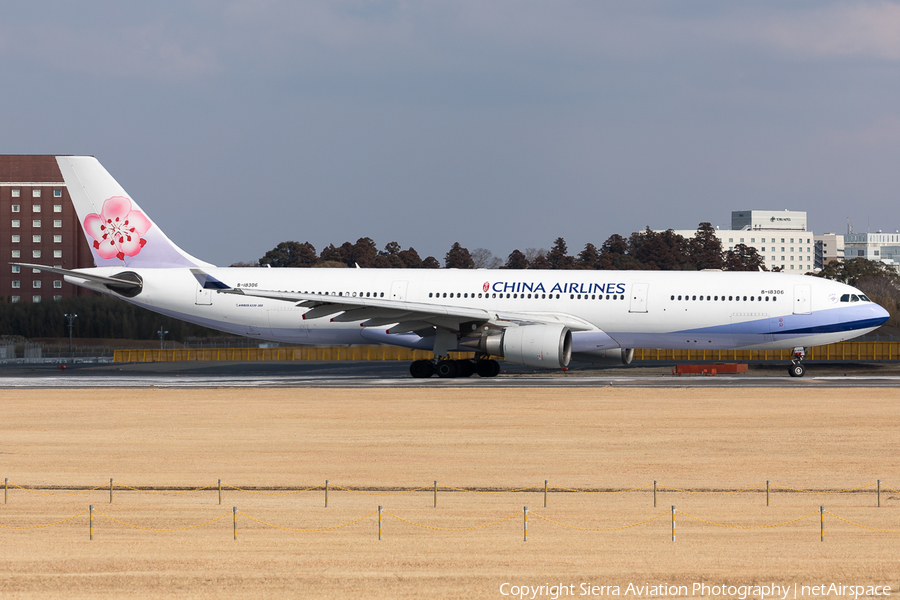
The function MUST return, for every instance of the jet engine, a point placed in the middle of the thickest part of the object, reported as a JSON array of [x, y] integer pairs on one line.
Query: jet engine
[[543, 346], [612, 356]]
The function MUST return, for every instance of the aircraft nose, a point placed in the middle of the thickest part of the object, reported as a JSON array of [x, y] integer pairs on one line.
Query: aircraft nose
[[881, 313]]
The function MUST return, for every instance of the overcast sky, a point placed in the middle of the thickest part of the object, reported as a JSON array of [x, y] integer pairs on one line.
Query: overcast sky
[[502, 124]]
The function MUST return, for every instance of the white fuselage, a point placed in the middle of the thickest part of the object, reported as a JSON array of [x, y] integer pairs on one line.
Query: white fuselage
[[624, 309]]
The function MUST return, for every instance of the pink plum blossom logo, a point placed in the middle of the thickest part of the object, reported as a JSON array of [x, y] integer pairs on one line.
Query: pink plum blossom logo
[[117, 230], [486, 287]]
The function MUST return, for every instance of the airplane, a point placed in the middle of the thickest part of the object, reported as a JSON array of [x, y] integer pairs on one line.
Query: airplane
[[536, 318]]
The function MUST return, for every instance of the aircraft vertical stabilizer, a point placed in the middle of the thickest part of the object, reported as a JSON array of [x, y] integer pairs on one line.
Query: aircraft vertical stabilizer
[[117, 230]]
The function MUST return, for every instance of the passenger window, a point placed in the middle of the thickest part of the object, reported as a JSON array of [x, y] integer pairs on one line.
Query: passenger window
[[679, 297], [745, 298]]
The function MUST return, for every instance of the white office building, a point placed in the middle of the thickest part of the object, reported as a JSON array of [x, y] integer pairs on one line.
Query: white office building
[[780, 237], [884, 247]]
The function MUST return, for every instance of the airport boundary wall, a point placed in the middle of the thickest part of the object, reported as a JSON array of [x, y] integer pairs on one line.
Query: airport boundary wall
[[839, 352]]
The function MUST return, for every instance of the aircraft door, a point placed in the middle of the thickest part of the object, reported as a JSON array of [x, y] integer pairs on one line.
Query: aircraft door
[[204, 296], [398, 290], [639, 297], [802, 304]]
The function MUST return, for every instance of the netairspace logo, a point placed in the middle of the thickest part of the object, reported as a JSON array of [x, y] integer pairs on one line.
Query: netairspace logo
[[554, 591]]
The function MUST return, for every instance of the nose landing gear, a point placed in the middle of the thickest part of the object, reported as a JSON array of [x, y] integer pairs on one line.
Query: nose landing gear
[[797, 369]]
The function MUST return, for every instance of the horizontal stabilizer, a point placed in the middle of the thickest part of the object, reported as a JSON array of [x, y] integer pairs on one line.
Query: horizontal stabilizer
[[113, 282]]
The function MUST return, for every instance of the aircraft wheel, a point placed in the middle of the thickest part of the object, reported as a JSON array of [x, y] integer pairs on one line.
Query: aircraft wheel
[[447, 369], [487, 368], [466, 368], [797, 370], [421, 369]]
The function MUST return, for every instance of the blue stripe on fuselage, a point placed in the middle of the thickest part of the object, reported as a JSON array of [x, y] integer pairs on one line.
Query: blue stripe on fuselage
[[832, 320]]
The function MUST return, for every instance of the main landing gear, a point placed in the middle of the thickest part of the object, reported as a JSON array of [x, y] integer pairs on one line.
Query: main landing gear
[[447, 369], [797, 369]]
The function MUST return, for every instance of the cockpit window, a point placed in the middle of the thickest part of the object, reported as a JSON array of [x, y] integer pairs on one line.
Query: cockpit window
[[864, 298], [854, 298], [845, 298]]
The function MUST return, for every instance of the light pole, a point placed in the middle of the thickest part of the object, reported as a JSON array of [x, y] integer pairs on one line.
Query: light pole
[[71, 320], [162, 335]]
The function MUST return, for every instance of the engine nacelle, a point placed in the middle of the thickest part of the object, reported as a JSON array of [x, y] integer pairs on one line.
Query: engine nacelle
[[613, 356], [543, 346]]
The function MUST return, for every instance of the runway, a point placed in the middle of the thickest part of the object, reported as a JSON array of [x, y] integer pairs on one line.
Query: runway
[[395, 375]]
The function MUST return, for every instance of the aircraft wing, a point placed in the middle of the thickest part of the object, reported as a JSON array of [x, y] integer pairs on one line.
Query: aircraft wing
[[377, 312]]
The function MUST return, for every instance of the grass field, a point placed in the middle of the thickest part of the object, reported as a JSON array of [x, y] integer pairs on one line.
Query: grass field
[[604, 440]]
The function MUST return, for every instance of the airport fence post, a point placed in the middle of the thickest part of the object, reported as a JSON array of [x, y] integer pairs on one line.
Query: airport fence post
[[545, 493], [879, 493], [220, 491], [326, 493], [379, 523], [654, 493], [91, 520], [110, 490], [822, 524], [673, 522], [767, 492], [234, 511], [435, 494], [525, 522]]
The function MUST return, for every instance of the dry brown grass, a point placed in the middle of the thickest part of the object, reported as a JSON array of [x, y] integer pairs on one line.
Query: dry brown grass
[[578, 438]]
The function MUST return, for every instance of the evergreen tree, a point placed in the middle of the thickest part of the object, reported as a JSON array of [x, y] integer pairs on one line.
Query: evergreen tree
[[458, 258], [363, 253], [516, 260], [291, 254], [540, 262], [743, 258], [659, 250], [410, 258], [558, 257], [589, 257], [705, 248]]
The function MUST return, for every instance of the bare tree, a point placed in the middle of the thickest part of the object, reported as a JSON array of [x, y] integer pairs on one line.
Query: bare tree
[[533, 253], [485, 259]]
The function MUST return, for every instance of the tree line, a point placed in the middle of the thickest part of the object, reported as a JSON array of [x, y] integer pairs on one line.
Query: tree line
[[99, 316], [643, 250]]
